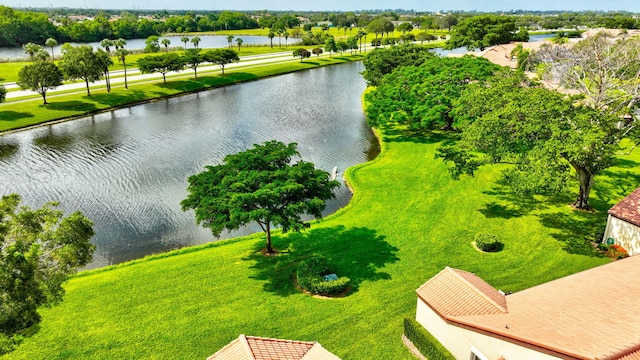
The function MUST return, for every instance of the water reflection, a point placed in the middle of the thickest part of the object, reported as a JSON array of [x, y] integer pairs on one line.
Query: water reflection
[[127, 169]]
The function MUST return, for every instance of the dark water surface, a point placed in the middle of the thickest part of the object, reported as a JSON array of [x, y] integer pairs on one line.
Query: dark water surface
[[127, 170]]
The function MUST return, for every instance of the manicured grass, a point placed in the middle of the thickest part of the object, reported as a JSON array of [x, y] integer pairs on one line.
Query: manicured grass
[[15, 115], [406, 222]]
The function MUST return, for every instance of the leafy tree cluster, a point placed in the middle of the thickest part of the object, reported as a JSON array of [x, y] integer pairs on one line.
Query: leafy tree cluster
[[260, 184], [21, 27], [192, 58], [383, 61], [480, 32], [423, 96], [39, 250]]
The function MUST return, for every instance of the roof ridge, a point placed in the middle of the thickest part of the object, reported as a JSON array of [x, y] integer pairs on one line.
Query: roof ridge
[[282, 340], [620, 353], [247, 348], [475, 289]]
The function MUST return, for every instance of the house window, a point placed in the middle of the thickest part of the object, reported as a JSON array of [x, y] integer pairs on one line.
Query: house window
[[476, 354]]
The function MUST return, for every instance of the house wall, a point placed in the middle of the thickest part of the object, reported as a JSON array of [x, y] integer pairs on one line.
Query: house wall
[[625, 234], [460, 341]]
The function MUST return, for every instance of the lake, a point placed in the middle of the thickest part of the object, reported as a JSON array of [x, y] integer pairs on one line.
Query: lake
[[127, 169]]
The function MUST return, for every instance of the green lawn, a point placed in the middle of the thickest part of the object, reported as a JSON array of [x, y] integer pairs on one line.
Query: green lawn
[[406, 222]]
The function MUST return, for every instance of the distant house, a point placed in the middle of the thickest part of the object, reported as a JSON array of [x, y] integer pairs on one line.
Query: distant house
[[589, 315], [623, 224], [258, 348]]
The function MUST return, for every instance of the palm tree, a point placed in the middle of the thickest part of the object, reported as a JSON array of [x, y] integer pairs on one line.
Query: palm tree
[[195, 41], [239, 41], [166, 43], [31, 49], [185, 40], [107, 44], [286, 38], [271, 35], [122, 53], [51, 42], [229, 40]]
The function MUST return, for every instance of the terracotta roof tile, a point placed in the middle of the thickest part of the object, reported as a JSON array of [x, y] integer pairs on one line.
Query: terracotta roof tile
[[628, 209], [455, 292], [591, 314], [258, 348]]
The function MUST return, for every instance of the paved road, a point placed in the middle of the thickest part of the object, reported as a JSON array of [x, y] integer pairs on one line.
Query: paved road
[[134, 75]]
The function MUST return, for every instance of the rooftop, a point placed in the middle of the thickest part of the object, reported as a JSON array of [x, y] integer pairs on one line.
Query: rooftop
[[589, 315], [628, 209], [258, 348]]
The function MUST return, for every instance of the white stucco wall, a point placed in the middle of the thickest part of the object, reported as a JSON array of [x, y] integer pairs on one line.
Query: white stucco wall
[[460, 341], [625, 234]]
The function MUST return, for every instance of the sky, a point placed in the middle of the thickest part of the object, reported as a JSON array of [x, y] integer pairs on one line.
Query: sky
[[337, 5]]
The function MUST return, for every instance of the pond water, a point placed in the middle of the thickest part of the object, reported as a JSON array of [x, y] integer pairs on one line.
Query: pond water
[[127, 169], [206, 41], [463, 50]]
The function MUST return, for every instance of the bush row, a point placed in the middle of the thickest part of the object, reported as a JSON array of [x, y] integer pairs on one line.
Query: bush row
[[429, 346], [309, 275]]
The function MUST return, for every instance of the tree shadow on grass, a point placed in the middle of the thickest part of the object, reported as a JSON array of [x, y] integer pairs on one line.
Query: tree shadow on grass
[[613, 186], [576, 229], [119, 98], [513, 205], [14, 115], [393, 133], [73, 105], [357, 253]]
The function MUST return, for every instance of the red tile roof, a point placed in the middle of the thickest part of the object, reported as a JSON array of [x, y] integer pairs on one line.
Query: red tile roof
[[589, 315], [258, 348], [467, 294], [628, 209]]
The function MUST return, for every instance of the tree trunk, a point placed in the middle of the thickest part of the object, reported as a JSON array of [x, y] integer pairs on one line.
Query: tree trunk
[[44, 97], [268, 231], [586, 182], [87, 82], [125, 75]]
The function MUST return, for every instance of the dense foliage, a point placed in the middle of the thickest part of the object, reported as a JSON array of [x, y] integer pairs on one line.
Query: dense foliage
[[424, 341], [480, 32], [39, 250], [310, 277], [422, 96], [487, 242], [20, 27], [380, 62], [163, 64], [40, 77], [262, 185]]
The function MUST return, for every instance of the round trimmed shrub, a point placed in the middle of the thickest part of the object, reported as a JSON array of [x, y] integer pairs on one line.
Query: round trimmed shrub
[[310, 277], [487, 242]]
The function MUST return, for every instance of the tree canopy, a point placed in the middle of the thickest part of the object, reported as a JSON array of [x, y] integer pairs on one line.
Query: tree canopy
[[422, 96], [260, 184], [82, 62], [39, 250], [221, 57], [542, 133], [483, 31], [161, 63], [40, 77], [380, 62]]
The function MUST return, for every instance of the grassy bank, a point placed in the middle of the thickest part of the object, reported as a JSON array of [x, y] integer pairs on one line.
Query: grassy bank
[[406, 222], [20, 114]]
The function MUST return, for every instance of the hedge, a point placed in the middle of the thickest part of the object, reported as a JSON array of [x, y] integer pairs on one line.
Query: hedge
[[310, 278], [429, 346]]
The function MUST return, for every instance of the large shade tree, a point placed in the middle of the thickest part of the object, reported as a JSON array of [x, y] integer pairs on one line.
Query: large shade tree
[[82, 62], [548, 138], [483, 31], [380, 62], [40, 77], [163, 64], [422, 96], [39, 250], [260, 184], [221, 57]]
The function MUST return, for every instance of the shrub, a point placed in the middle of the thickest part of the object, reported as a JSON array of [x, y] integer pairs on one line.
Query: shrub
[[616, 251], [487, 242], [310, 277], [429, 346]]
